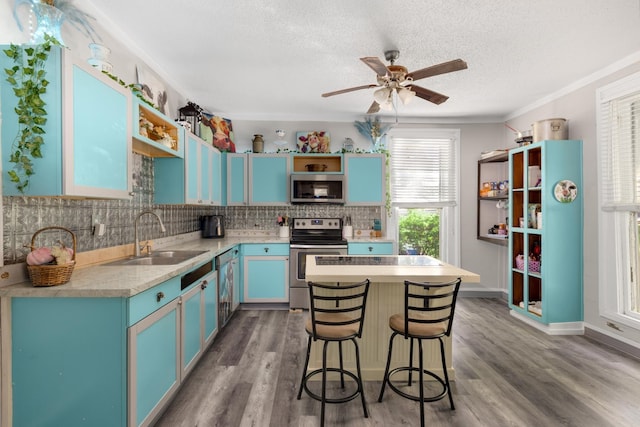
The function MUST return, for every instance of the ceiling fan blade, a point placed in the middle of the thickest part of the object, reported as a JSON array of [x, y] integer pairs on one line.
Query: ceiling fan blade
[[374, 108], [376, 65], [351, 89], [434, 70], [429, 95]]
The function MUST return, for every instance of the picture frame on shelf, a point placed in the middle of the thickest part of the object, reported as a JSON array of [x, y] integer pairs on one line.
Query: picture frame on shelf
[[313, 141], [218, 131]]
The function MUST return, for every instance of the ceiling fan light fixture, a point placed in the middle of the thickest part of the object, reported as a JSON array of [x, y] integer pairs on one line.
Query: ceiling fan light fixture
[[381, 96], [405, 95], [387, 105]]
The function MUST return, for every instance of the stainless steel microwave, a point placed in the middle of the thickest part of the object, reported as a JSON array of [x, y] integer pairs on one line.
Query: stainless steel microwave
[[317, 188]]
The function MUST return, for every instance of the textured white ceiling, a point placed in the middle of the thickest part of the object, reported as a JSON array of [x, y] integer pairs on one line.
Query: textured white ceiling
[[273, 59]]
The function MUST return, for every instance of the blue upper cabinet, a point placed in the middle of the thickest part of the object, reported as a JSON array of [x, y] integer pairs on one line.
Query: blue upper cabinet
[[268, 179], [366, 178], [87, 149], [234, 190], [194, 179]]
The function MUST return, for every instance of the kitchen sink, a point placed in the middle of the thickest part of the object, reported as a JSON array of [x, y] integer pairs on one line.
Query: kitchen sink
[[168, 257]]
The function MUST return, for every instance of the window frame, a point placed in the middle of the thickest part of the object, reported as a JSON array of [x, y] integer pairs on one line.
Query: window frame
[[615, 282], [450, 215]]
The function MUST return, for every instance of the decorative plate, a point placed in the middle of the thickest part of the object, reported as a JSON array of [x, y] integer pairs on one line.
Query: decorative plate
[[565, 191]]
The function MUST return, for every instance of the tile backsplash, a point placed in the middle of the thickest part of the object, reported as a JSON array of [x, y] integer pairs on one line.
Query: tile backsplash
[[24, 216]]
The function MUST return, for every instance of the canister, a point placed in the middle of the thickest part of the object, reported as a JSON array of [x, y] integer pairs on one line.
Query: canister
[[550, 129]]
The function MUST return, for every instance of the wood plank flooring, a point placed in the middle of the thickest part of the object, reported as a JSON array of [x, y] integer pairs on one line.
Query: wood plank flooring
[[507, 374]]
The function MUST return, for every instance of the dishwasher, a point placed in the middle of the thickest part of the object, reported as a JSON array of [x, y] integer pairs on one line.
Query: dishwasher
[[227, 264]]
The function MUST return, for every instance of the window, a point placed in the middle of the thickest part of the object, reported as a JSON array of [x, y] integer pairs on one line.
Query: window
[[424, 191], [619, 181]]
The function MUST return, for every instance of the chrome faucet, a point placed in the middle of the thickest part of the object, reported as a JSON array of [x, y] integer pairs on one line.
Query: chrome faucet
[[137, 247]]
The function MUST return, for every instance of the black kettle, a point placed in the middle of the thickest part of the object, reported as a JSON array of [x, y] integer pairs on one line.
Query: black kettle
[[212, 226]]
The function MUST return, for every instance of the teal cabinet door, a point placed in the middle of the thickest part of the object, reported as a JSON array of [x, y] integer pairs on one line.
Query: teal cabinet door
[[69, 361], [370, 248], [366, 178], [210, 301], [269, 179], [265, 272], [87, 150], [235, 188], [193, 170], [154, 363], [266, 279], [192, 327], [97, 133], [216, 178]]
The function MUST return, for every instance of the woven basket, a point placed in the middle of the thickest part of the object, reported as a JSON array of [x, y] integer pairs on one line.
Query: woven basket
[[52, 274], [534, 266]]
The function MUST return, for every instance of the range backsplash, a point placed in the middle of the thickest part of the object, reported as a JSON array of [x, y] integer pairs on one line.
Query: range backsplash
[[23, 216]]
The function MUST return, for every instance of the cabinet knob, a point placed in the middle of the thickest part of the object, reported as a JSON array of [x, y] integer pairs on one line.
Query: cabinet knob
[[204, 284], [266, 249], [370, 248], [159, 296]]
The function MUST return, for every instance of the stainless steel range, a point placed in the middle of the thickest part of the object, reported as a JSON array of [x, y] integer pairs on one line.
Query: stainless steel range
[[311, 236]]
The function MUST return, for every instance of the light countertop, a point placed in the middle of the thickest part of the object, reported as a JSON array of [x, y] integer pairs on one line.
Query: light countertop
[[407, 267], [126, 281]]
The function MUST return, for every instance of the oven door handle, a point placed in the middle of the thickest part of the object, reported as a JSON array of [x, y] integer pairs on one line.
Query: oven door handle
[[318, 247]]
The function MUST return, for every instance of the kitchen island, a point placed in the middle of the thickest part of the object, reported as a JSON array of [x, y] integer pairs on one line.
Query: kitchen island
[[387, 274]]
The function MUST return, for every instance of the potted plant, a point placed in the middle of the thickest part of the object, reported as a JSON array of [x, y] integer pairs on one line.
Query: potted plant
[[28, 80]]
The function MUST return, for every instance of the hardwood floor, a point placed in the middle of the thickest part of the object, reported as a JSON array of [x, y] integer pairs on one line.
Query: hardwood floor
[[507, 374]]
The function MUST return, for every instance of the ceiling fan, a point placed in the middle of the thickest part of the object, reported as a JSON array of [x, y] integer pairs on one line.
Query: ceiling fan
[[397, 78]]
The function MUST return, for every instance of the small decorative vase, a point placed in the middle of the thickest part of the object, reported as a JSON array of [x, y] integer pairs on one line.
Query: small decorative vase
[[258, 143], [49, 21]]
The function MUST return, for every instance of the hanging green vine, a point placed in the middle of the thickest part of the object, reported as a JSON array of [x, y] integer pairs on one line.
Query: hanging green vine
[[28, 79]]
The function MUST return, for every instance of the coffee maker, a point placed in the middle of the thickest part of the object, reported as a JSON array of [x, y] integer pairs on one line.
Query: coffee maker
[[212, 226]]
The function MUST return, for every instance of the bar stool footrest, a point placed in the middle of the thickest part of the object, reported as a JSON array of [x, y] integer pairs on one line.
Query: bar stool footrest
[[349, 398], [433, 398]]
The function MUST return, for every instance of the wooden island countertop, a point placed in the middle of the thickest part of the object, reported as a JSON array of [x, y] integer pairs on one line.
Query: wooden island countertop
[[387, 274]]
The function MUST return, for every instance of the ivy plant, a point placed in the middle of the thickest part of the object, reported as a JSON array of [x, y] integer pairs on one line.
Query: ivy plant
[[28, 80]]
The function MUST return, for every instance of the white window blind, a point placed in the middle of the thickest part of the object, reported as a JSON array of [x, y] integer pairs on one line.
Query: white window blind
[[423, 171], [619, 139]]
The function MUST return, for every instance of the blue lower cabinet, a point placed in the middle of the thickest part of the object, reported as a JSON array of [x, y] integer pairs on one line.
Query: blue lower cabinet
[[154, 363], [108, 361], [369, 248], [69, 361], [266, 272], [266, 279], [192, 327]]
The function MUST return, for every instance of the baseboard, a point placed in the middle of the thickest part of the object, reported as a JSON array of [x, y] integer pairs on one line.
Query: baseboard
[[265, 306], [562, 328], [612, 341], [483, 293]]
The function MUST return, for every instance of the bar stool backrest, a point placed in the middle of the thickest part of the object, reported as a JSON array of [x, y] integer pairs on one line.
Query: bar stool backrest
[[337, 306], [430, 303]]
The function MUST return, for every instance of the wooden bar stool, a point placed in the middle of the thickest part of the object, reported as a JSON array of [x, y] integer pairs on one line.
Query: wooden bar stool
[[336, 314], [428, 315]]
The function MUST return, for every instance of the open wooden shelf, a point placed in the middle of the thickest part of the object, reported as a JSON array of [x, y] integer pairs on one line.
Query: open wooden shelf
[[333, 163]]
